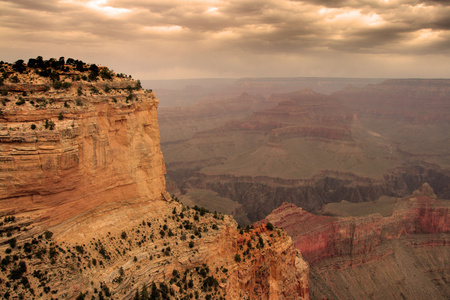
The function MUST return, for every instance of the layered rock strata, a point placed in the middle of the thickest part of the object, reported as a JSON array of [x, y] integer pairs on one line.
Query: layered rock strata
[[259, 195], [416, 234], [86, 214], [64, 151]]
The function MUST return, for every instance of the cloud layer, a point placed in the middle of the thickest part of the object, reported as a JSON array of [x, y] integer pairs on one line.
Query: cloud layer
[[154, 39]]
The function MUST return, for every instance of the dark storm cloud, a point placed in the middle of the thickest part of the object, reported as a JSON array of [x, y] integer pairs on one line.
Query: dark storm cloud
[[44, 5]]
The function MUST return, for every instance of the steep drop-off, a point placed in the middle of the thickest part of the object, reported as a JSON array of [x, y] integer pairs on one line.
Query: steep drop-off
[[67, 150], [402, 255], [84, 207]]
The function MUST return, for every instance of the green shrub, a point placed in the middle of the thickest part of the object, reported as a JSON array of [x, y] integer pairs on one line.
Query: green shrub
[[79, 249], [20, 102], [18, 270], [66, 85], [14, 79], [93, 76], [80, 296], [94, 90], [49, 124], [105, 73], [12, 242], [57, 85], [48, 234]]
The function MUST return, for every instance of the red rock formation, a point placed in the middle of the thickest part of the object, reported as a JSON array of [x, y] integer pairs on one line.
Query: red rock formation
[[320, 237], [338, 248]]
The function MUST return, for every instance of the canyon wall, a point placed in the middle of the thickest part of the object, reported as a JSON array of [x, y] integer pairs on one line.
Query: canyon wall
[[260, 195], [412, 242], [85, 210], [102, 147]]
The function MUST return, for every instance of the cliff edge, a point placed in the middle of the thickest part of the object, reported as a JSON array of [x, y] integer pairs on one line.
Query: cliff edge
[[84, 206]]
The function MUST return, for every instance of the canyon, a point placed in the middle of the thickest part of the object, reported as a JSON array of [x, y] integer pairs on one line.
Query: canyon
[[357, 176], [403, 254], [310, 149], [84, 203], [338, 195]]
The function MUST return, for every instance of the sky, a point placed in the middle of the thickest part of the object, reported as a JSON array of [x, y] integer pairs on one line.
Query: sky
[[173, 39]]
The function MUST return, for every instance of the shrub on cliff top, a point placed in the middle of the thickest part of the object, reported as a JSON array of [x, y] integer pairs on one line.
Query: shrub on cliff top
[[94, 72], [105, 73], [19, 66]]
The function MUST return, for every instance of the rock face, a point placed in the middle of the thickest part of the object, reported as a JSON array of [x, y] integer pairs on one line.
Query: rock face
[[416, 234], [103, 146], [86, 213]]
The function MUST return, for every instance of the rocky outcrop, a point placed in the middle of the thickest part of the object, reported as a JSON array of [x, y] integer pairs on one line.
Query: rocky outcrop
[[269, 268], [65, 151], [173, 251], [331, 245], [86, 214]]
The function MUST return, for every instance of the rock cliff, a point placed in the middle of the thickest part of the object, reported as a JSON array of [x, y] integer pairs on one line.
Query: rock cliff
[[84, 207], [416, 234], [71, 145]]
